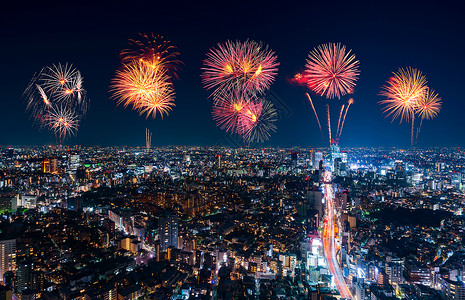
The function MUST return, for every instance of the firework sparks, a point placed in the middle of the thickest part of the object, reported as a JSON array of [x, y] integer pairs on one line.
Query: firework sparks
[[239, 66], [63, 82], [429, 105], [56, 93], [144, 87], [63, 121], [408, 97], [153, 50], [316, 115], [331, 71], [258, 121], [402, 92], [227, 110]]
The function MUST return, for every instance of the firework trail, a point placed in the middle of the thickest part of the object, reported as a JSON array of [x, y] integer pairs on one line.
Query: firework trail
[[339, 120], [412, 130], [331, 71], [242, 66], [316, 115], [418, 130], [345, 114], [329, 123]]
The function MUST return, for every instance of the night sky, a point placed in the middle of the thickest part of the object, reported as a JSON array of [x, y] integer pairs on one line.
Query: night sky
[[384, 36]]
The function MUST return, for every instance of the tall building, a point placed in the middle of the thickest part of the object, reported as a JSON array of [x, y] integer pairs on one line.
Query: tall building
[[74, 161], [314, 200], [294, 157], [7, 256], [54, 165], [168, 230], [394, 271], [29, 279], [453, 290], [46, 165], [317, 157], [418, 273]]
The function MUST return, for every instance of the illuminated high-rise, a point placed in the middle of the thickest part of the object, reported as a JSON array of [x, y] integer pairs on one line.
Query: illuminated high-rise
[[168, 230], [7, 256]]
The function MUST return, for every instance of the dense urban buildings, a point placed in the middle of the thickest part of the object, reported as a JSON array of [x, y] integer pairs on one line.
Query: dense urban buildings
[[221, 223]]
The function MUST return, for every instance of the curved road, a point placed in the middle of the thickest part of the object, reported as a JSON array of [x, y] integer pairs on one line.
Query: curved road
[[329, 242]]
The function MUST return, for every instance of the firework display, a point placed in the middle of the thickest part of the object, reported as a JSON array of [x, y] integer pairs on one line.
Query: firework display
[[331, 72], [402, 93], [238, 74], [144, 81], [63, 121], [56, 99], [407, 97], [153, 50], [228, 114], [242, 66], [258, 121], [145, 88]]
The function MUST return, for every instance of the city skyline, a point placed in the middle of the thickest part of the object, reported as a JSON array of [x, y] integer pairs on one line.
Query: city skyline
[[380, 37]]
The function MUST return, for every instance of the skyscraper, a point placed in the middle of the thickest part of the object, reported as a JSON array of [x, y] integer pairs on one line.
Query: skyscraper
[[168, 230], [7, 256], [317, 157]]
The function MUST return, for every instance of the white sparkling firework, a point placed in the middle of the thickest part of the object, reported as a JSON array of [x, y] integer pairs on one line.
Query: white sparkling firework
[[63, 121]]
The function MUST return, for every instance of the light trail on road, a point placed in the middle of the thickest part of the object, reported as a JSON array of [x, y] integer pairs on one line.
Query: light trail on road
[[329, 242]]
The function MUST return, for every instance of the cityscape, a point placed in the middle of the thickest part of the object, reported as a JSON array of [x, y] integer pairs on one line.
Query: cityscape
[[232, 150], [223, 223]]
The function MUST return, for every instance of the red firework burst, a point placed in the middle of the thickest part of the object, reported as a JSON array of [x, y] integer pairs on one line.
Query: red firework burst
[[331, 71]]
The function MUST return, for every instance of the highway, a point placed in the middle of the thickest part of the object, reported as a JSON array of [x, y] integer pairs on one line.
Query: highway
[[329, 243]]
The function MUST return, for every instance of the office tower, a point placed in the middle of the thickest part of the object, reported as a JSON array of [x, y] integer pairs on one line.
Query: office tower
[[168, 230], [7, 256]]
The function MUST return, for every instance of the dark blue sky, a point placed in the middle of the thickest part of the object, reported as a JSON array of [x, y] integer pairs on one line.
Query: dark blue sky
[[383, 35]]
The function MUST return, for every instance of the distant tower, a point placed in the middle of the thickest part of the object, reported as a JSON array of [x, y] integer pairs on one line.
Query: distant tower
[[148, 139]]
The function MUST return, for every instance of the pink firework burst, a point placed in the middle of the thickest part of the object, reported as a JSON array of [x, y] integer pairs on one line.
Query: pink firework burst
[[247, 66]]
